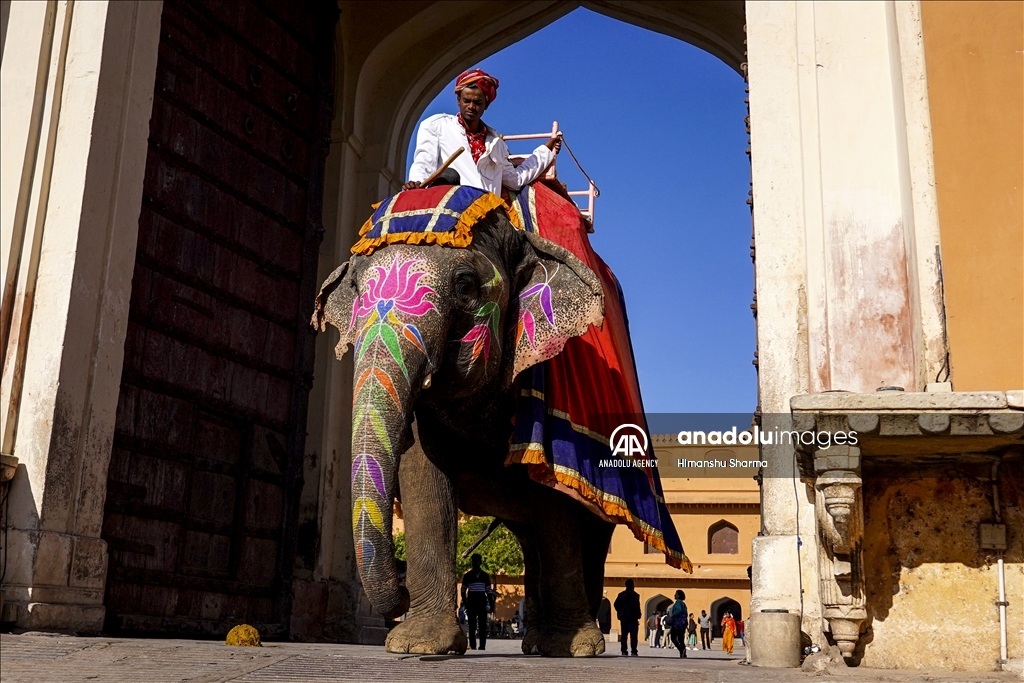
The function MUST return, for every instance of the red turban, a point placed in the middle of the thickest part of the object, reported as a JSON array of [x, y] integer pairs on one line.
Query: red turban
[[480, 79]]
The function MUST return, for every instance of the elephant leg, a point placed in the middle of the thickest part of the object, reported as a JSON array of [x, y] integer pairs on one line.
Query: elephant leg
[[431, 531], [566, 626], [531, 585], [595, 535]]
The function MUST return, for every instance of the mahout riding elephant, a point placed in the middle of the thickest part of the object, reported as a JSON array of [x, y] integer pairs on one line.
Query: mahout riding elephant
[[439, 335]]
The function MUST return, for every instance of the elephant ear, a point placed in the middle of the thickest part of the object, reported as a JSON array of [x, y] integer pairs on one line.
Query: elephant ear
[[559, 298], [334, 305]]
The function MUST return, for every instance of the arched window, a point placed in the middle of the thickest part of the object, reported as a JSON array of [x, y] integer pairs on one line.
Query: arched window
[[723, 539], [718, 609]]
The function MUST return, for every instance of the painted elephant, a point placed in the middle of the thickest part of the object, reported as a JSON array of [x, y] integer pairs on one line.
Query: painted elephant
[[438, 333]]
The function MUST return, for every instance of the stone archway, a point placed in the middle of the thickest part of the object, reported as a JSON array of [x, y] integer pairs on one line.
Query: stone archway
[[396, 56], [658, 603], [718, 609], [389, 96], [380, 95]]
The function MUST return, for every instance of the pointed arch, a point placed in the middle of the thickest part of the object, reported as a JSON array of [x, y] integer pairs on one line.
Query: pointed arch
[[406, 69], [653, 604], [723, 538], [718, 609], [392, 58], [714, 27]]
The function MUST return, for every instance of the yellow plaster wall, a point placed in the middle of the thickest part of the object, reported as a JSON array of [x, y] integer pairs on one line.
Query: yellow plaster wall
[[974, 57], [930, 588], [510, 594]]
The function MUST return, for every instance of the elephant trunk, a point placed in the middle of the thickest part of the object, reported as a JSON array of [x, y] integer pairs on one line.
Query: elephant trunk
[[382, 393]]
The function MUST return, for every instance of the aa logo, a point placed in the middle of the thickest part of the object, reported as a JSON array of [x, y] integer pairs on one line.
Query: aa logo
[[629, 441]]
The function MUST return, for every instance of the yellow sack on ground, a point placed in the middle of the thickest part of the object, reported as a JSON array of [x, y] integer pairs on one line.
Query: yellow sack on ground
[[244, 635]]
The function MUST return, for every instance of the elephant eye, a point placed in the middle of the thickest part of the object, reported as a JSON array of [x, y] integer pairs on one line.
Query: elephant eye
[[467, 287]]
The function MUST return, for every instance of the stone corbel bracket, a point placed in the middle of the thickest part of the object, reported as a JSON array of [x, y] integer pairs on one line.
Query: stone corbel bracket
[[835, 472], [8, 466], [928, 429]]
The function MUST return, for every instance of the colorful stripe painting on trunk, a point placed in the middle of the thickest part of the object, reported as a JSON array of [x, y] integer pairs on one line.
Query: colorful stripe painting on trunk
[[392, 299]]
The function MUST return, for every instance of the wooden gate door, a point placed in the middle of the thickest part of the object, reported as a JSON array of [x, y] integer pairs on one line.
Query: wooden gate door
[[206, 468]]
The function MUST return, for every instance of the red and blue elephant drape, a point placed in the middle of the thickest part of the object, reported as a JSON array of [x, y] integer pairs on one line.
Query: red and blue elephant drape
[[568, 406]]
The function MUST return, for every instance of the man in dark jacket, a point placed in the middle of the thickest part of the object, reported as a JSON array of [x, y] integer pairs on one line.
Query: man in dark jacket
[[627, 608]]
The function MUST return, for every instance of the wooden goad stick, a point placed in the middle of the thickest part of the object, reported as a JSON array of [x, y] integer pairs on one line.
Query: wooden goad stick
[[433, 176]]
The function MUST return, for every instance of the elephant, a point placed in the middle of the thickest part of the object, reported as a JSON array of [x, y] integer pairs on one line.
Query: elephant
[[437, 335]]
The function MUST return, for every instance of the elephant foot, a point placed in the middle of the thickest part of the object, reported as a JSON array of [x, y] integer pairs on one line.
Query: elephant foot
[[582, 641], [427, 635], [531, 642]]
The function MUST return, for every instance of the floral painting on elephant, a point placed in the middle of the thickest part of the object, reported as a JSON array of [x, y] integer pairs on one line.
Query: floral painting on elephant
[[390, 292], [568, 406]]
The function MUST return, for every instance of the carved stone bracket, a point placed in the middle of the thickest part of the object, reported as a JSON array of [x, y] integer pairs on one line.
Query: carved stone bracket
[[8, 466], [840, 517]]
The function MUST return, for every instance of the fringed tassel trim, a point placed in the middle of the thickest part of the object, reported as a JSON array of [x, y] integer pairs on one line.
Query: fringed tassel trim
[[526, 454], [460, 236], [642, 532], [514, 217], [541, 472], [368, 245]]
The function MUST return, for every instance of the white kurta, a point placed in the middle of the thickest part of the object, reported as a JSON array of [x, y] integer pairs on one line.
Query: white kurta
[[440, 135]]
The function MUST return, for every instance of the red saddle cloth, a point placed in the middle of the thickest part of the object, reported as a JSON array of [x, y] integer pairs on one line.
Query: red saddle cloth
[[568, 406]]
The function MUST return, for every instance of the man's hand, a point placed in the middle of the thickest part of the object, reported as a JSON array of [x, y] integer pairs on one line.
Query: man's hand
[[412, 185], [554, 144]]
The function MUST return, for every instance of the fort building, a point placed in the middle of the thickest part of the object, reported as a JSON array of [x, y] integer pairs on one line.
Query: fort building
[[178, 176], [717, 516]]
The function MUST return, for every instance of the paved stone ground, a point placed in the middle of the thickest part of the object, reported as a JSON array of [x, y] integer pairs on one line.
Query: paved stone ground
[[39, 658]]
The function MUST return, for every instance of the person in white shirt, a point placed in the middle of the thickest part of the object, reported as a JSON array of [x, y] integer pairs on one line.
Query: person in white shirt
[[485, 163], [705, 630]]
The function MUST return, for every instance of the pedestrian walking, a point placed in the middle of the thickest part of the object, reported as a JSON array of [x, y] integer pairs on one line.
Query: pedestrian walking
[[705, 630], [659, 628], [728, 632], [476, 585], [691, 633], [627, 609], [677, 616], [604, 615], [742, 627]]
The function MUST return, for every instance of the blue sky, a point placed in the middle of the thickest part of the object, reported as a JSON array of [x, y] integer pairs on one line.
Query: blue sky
[[658, 124]]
